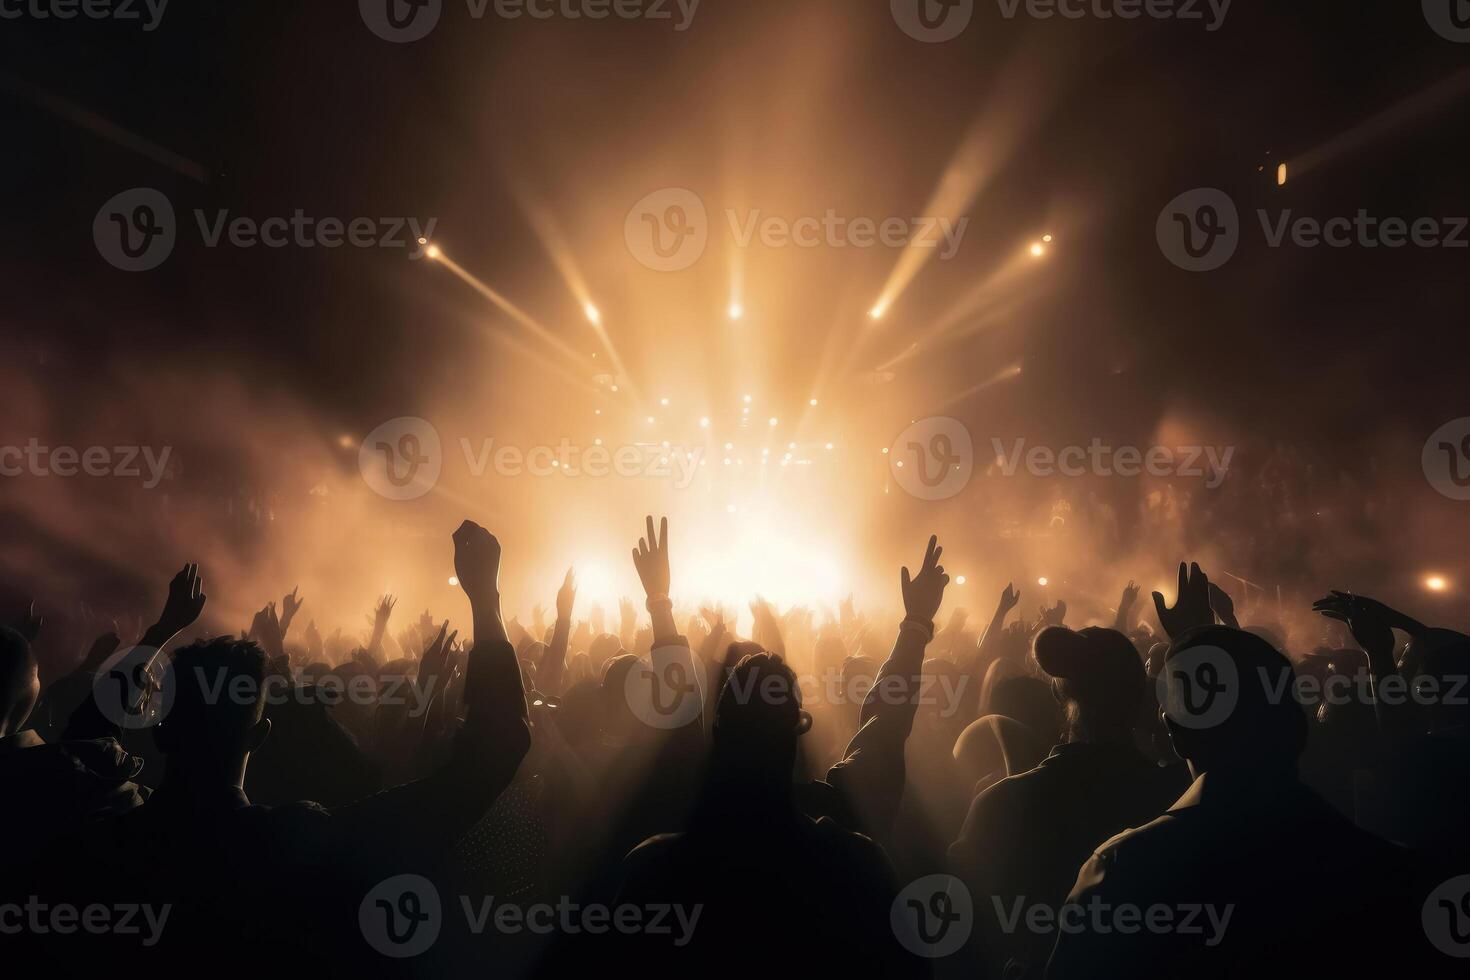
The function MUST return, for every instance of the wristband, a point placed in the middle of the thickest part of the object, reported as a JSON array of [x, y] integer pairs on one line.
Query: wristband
[[914, 623], [659, 602]]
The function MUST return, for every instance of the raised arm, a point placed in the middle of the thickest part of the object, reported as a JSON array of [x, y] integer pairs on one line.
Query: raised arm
[[553, 667], [871, 773]]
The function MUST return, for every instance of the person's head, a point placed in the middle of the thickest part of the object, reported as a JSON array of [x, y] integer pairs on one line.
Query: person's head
[[20, 683], [618, 718], [759, 718], [1097, 678], [214, 720], [1230, 703]]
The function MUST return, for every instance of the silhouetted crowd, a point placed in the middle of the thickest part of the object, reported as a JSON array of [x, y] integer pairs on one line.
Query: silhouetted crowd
[[648, 793]]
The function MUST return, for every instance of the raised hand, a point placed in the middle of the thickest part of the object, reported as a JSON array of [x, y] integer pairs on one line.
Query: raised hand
[[1371, 622], [714, 619], [381, 612], [1191, 604], [651, 558], [1053, 616], [1223, 606], [102, 648], [1009, 599], [923, 593], [290, 606], [477, 561], [184, 603], [566, 596]]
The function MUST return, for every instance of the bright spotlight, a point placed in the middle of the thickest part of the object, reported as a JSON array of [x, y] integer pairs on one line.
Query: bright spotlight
[[1046, 238], [876, 313], [813, 403], [664, 402], [453, 580], [775, 422], [1042, 581], [433, 252], [594, 315], [704, 423], [1436, 583], [1038, 250], [747, 399], [959, 580], [736, 311]]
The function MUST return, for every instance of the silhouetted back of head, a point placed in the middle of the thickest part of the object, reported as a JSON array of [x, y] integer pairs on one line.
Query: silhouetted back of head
[[1443, 683], [1229, 701], [759, 715], [20, 684], [1097, 676], [218, 701]]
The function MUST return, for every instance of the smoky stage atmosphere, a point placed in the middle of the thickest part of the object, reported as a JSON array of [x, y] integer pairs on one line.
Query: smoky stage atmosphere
[[925, 488]]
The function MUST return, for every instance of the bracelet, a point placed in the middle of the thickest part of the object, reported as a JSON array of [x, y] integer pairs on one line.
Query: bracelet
[[660, 602], [927, 628]]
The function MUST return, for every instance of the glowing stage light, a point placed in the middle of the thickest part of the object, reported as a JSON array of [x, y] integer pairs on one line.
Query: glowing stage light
[[1038, 250], [959, 580], [1042, 581], [830, 446], [650, 420], [594, 315], [813, 403], [704, 423], [775, 422], [736, 311], [614, 389], [664, 402], [453, 580], [791, 445], [1281, 175], [1046, 238], [1436, 583], [747, 399], [729, 446], [433, 252], [876, 313], [344, 441]]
